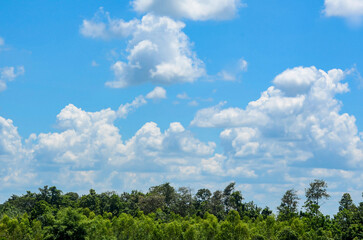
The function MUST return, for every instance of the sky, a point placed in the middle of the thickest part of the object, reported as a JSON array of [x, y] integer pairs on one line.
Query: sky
[[122, 95]]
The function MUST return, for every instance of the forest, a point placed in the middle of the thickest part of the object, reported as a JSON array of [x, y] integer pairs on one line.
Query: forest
[[168, 213]]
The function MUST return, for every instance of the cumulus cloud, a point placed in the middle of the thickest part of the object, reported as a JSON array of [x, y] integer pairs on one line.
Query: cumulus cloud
[[14, 159], [88, 139], [296, 119], [8, 74], [173, 146], [85, 138], [190, 9], [158, 51], [350, 9], [157, 93]]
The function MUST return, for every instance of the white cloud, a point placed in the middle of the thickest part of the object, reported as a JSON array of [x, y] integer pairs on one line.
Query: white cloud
[[104, 27], [94, 64], [8, 74], [10, 141], [193, 103], [157, 93], [90, 140], [86, 139], [243, 65], [350, 9], [226, 76], [124, 109], [175, 146], [296, 119], [235, 72], [14, 159], [218, 166], [2, 41], [190, 9], [183, 96], [158, 51], [328, 173]]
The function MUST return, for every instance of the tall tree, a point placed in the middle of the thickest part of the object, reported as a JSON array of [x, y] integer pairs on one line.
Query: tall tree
[[315, 192], [346, 202], [288, 206]]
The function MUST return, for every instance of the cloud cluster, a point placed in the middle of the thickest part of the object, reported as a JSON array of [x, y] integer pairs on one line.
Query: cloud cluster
[[296, 119], [158, 51], [8, 74], [89, 150], [350, 9], [190, 9], [88, 146]]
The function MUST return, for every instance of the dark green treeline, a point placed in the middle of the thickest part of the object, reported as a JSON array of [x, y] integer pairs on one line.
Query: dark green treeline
[[167, 213]]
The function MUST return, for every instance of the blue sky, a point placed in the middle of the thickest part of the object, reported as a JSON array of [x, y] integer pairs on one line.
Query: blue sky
[[119, 95]]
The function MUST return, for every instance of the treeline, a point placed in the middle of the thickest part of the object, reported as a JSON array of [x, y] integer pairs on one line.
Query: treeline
[[168, 213]]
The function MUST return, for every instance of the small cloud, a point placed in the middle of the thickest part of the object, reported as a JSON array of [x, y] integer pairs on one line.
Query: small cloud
[[226, 76], [8, 74], [234, 73], [207, 99], [193, 103], [94, 64], [243, 65], [157, 93], [352, 10], [2, 41], [183, 95], [124, 109]]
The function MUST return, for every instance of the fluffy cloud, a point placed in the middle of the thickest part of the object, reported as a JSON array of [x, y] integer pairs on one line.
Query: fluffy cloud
[[158, 51], [86, 138], [174, 146], [296, 119], [190, 9], [8, 74], [351, 9], [90, 139], [157, 93], [14, 159], [10, 141]]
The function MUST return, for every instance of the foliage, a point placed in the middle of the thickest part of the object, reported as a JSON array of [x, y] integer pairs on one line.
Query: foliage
[[167, 213]]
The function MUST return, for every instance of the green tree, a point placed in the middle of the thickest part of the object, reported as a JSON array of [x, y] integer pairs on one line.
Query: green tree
[[150, 202], [317, 190], [288, 206], [91, 201], [287, 234], [165, 190], [69, 225], [346, 202]]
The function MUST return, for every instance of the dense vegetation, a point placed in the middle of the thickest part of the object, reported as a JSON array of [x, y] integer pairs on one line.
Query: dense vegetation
[[167, 213]]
